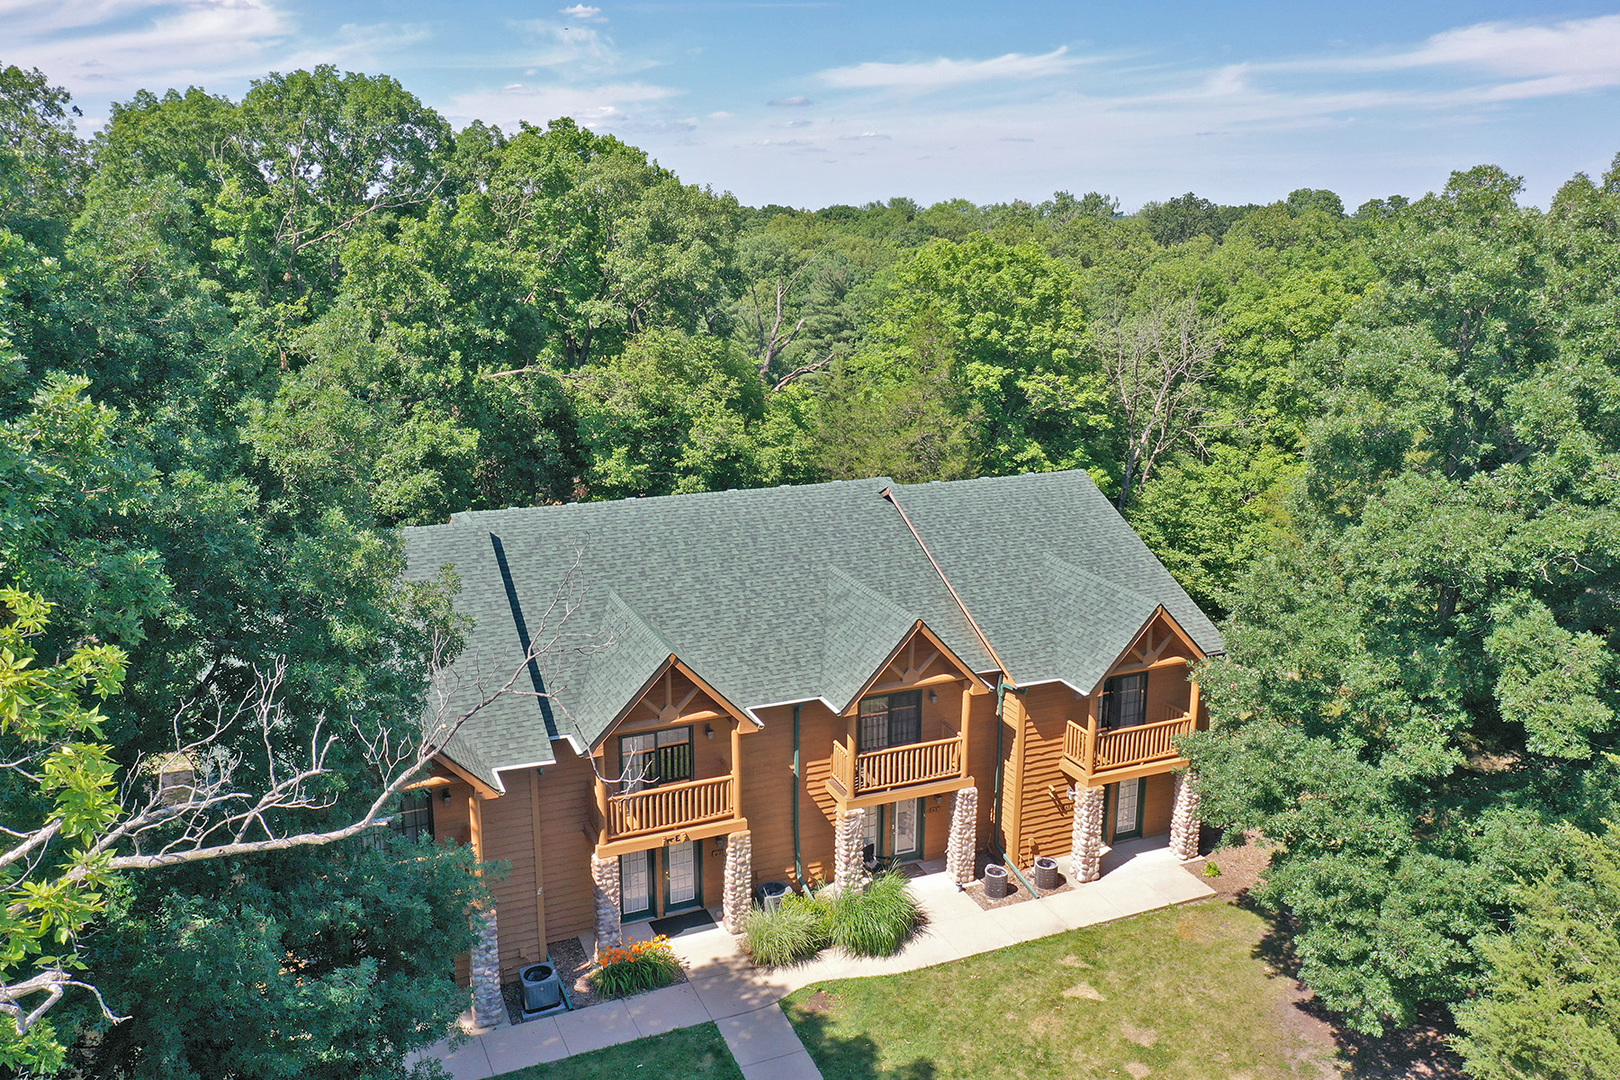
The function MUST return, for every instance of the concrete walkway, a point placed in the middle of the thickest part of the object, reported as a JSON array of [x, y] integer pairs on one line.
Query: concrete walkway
[[723, 986]]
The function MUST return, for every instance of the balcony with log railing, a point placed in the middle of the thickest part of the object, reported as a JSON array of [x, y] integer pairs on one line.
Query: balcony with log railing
[[1095, 754], [670, 812], [894, 769]]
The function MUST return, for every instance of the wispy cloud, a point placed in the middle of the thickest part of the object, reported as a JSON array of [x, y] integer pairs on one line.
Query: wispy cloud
[[627, 105], [941, 73], [799, 102], [107, 49]]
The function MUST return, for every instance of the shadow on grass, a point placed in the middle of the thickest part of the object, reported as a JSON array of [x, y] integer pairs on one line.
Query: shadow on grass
[[1419, 1049], [853, 1057]]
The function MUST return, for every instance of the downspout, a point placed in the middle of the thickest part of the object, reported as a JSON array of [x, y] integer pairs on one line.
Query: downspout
[[798, 782]]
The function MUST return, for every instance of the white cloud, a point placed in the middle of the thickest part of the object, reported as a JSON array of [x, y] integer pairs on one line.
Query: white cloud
[[1556, 58], [941, 74], [790, 102], [583, 13], [104, 50]]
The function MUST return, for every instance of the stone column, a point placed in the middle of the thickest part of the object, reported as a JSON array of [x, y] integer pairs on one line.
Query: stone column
[[1086, 853], [605, 884], [849, 843], [962, 845], [739, 881], [489, 1008], [1185, 825]]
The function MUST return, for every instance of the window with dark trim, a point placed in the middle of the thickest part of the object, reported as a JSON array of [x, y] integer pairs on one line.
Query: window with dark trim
[[890, 720], [1124, 700], [415, 817], [656, 757]]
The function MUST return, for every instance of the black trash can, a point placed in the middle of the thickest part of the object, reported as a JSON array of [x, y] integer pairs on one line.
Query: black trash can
[[542, 989], [769, 895], [1045, 874], [995, 881]]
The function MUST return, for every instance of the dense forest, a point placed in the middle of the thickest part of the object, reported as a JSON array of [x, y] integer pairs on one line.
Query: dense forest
[[242, 341]]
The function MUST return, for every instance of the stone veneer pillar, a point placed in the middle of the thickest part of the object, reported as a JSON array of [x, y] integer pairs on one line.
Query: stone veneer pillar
[[1185, 825], [489, 1008], [962, 845], [739, 889], [605, 885], [849, 847], [1086, 853]]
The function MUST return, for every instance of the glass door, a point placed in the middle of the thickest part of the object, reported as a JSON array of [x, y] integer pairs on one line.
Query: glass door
[[635, 884], [905, 830], [893, 833], [683, 876], [1128, 809]]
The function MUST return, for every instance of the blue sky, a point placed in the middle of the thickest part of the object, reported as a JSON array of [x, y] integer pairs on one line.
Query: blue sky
[[814, 103]]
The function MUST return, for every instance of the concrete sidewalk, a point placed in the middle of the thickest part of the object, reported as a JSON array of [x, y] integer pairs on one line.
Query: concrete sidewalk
[[723, 986]]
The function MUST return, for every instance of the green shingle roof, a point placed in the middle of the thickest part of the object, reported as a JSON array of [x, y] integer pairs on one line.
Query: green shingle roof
[[784, 594]]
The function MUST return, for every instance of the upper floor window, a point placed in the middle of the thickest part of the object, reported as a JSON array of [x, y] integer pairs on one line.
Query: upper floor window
[[415, 817], [1124, 700], [890, 720], [658, 757]]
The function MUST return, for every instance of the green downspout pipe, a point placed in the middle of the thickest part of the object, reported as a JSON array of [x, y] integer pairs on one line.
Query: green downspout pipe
[[798, 782], [1001, 724]]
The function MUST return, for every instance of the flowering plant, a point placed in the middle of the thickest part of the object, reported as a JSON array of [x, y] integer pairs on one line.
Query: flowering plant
[[642, 965]]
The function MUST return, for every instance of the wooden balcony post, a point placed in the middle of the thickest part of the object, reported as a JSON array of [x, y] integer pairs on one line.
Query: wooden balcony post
[[967, 713], [1093, 718], [602, 808], [736, 768], [1193, 703]]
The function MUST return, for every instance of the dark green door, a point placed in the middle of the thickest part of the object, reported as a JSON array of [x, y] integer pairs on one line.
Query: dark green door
[[1125, 811]]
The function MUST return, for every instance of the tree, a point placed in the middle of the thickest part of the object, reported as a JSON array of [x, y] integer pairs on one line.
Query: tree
[[1421, 688], [1547, 1005], [1157, 361], [43, 164]]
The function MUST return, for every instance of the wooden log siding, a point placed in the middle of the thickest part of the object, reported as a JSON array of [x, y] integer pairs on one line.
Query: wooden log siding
[[670, 806], [914, 763]]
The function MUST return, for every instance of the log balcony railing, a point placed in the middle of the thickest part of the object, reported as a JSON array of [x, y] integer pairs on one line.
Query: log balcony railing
[[1124, 748], [897, 767], [670, 807]]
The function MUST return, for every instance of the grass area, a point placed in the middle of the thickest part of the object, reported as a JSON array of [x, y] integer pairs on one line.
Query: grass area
[[694, 1053], [1176, 994]]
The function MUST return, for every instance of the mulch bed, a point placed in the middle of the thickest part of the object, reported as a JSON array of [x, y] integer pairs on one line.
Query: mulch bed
[[573, 965], [1016, 893]]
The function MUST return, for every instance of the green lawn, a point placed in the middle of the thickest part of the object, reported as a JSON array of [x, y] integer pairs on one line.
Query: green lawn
[[1177, 994], [694, 1053]]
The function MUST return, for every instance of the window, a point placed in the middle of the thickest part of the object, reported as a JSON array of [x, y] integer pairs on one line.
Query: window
[[415, 817], [890, 720], [1124, 700], [658, 757]]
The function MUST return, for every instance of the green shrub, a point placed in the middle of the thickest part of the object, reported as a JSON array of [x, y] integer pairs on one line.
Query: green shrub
[[645, 965], [878, 920], [795, 930]]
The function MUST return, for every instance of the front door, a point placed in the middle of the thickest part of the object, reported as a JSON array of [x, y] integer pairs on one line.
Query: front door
[[894, 832], [1127, 809], [683, 876]]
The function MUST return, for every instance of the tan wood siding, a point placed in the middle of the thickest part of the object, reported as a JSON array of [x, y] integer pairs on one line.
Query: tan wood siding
[[767, 795], [566, 793], [818, 728], [982, 762], [1045, 823], [1158, 802], [508, 839]]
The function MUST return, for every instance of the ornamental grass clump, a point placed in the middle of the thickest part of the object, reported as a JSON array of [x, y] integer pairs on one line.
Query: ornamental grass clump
[[795, 930], [877, 920], [644, 965]]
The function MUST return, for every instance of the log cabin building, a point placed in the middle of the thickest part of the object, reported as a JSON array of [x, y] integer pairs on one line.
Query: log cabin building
[[715, 690]]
